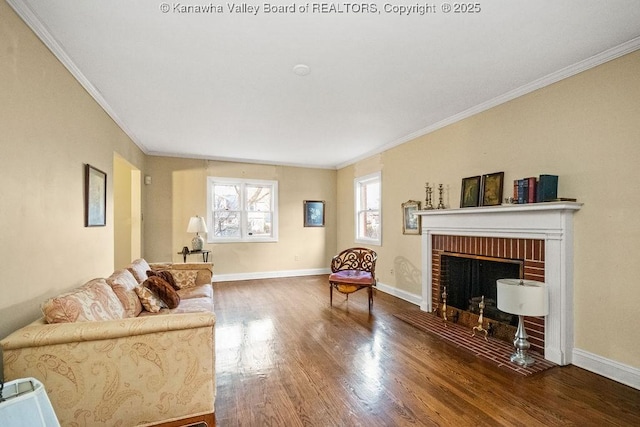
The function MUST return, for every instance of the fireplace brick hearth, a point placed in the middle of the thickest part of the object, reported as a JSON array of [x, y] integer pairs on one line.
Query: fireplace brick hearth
[[530, 251]]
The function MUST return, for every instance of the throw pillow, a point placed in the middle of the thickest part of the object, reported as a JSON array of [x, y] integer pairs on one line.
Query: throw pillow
[[123, 284], [164, 291], [139, 269], [165, 275], [149, 300], [92, 302], [185, 278]]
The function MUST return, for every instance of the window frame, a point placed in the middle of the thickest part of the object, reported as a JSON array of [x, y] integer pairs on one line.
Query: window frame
[[245, 237], [357, 187]]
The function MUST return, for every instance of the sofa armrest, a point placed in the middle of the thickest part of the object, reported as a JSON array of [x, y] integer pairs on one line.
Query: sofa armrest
[[133, 371], [187, 274]]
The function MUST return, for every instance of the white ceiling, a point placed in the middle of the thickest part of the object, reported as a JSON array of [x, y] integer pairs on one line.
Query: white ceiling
[[221, 85]]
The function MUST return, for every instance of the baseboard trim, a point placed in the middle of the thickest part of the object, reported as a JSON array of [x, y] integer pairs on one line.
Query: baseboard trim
[[608, 368], [399, 293], [268, 274]]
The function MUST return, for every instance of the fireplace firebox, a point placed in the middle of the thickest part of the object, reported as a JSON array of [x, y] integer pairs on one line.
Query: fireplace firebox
[[468, 278]]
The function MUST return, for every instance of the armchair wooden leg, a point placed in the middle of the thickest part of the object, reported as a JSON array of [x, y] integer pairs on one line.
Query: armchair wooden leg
[[370, 298], [330, 295]]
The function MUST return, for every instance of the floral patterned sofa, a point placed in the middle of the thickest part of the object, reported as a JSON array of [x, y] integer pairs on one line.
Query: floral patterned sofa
[[112, 353]]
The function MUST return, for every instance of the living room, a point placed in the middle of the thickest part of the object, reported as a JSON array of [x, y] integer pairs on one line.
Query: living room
[[583, 128]]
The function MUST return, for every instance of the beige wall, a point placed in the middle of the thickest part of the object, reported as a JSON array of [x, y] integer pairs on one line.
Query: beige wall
[[586, 129], [49, 128], [178, 191]]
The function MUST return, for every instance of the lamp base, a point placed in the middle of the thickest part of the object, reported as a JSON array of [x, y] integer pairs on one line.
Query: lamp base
[[523, 359], [520, 356], [197, 243]]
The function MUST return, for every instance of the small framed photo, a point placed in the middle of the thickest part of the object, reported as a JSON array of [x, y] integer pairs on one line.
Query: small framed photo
[[95, 197], [470, 194], [492, 189], [411, 221], [313, 213]]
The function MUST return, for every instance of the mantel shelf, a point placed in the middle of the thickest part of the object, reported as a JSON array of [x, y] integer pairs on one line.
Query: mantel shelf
[[529, 207]]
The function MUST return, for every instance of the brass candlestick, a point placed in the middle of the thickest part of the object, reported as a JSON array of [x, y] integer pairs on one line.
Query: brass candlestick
[[444, 306], [440, 202], [479, 328], [428, 204]]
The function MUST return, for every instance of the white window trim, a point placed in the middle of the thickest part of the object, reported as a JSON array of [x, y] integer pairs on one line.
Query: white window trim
[[244, 238], [356, 199]]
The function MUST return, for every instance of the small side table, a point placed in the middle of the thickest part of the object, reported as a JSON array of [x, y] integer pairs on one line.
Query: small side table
[[185, 251]]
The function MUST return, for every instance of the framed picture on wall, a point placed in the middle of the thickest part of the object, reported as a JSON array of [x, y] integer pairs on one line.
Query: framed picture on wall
[[470, 194], [313, 213], [95, 197], [492, 189], [410, 221]]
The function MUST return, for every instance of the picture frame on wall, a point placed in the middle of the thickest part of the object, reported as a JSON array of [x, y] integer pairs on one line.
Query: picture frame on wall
[[470, 194], [411, 221], [492, 186], [313, 213], [95, 197]]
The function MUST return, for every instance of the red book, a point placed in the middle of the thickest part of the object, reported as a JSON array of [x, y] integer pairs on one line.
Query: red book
[[532, 187]]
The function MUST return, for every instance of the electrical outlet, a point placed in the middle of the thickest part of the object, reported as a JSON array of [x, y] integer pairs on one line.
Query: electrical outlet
[[296, 258], [391, 272]]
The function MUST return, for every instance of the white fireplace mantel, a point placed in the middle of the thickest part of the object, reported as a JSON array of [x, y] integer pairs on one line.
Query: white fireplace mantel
[[551, 222]]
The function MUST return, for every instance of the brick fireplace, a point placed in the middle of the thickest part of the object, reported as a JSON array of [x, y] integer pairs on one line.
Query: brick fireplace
[[529, 251], [539, 234]]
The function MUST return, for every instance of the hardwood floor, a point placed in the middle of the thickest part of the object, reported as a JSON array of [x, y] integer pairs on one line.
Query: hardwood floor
[[285, 358]]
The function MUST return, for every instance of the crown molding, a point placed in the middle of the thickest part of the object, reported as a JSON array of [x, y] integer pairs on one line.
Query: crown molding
[[34, 22], [584, 65]]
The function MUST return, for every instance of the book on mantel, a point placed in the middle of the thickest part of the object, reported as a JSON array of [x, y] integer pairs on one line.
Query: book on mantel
[[547, 188], [532, 190]]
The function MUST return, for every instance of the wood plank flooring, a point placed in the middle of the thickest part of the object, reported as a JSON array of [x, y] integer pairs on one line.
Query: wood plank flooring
[[285, 358]]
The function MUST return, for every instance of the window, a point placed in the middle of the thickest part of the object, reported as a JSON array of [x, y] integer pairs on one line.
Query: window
[[241, 210], [368, 221]]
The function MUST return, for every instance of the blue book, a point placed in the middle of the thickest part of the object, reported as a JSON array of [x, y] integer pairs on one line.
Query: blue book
[[547, 188]]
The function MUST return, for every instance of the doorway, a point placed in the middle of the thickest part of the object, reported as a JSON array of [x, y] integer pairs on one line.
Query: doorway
[[127, 214]]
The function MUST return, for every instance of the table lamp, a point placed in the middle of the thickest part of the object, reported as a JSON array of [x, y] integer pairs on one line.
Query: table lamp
[[197, 225], [523, 298]]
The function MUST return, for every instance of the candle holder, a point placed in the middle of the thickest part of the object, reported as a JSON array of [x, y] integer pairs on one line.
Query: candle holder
[[440, 201], [444, 306], [479, 328], [428, 204]]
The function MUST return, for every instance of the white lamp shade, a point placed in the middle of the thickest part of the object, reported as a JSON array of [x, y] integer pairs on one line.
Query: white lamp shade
[[523, 297], [197, 225]]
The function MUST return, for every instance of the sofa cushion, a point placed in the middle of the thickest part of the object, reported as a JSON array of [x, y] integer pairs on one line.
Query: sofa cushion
[[164, 275], [202, 291], [91, 302], [150, 301], [192, 305], [139, 269], [123, 284], [164, 291]]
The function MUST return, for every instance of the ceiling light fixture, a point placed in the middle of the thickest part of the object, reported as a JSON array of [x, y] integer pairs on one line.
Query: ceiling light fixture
[[301, 70]]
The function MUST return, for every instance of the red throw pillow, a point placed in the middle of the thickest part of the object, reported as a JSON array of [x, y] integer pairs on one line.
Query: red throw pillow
[[165, 275], [165, 292]]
